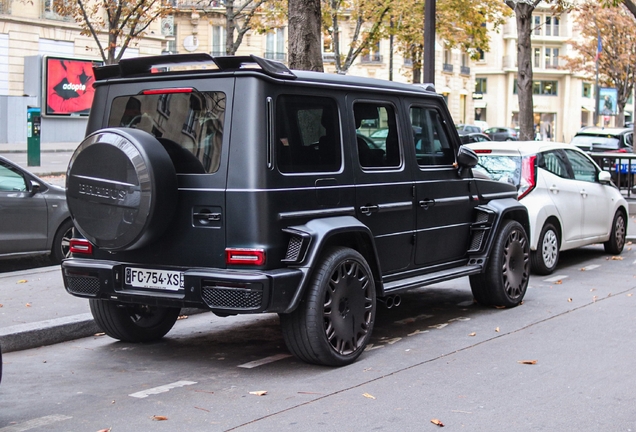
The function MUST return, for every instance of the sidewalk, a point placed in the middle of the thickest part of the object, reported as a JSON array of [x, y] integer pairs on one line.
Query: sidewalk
[[54, 157]]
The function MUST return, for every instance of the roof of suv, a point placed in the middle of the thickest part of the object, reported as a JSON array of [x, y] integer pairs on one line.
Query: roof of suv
[[611, 131], [152, 67]]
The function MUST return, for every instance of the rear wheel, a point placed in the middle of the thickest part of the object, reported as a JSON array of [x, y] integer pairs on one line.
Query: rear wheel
[[544, 260], [333, 324], [505, 281], [616, 241], [133, 323]]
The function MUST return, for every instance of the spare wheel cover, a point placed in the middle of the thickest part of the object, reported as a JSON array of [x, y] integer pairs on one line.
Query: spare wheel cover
[[121, 188]]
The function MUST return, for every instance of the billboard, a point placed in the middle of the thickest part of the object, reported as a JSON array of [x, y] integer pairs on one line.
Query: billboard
[[68, 86], [607, 101]]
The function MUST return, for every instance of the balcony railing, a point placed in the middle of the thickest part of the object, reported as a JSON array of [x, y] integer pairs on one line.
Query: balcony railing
[[447, 67], [280, 56], [464, 70], [371, 58]]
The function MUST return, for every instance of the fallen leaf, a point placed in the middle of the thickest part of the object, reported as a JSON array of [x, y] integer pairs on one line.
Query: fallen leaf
[[617, 258], [22, 281], [629, 243], [437, 422], [500, 307], [593, 289], [182, 317], [497, 329], [259, 392], [528, 362], [569, 300], [559, 282], [28, 305], [1, 305], [367, 395], [104, 430], [99, 334], [159, 418], [628, 295], [472, 334]]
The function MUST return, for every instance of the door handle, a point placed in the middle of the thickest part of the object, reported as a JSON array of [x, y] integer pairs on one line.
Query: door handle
[[368, 209], [207, 217], [553, 189], [583, 193], [425, 204]]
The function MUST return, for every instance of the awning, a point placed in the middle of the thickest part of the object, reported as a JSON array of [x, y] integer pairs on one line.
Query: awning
[[444, 90], [463, 92], [479, 104]]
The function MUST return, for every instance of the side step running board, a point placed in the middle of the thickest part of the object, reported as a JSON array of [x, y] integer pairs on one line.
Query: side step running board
[[431, 278]]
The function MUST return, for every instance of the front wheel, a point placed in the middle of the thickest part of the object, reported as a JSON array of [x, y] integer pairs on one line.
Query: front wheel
[[616, 241], [505, 281], [133, 323], [333, 323]]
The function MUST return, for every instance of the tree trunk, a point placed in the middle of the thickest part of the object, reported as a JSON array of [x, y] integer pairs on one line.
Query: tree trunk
[[523, 14], [230, 27], [304, 35]]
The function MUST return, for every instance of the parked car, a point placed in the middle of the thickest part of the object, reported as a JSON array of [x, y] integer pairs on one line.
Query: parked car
[[470, 137], [571, 202], [35, 217], [598, 140], [467, 128], [482, 125], [502, 134], [290, 213]]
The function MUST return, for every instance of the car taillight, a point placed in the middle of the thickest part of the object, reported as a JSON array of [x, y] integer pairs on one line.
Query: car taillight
[[528, 176], [238, 256], [483, 151], [81, 246], [167, 91]]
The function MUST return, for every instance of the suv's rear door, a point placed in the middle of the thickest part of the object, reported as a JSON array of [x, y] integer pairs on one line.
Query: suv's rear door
[[384, 188]]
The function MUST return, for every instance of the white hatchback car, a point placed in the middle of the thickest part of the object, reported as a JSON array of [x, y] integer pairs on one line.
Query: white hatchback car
[[571, 201]]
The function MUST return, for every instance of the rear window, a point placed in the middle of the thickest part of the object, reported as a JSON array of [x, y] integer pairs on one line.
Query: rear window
[[501, 168], [587, 141], [189, 125]]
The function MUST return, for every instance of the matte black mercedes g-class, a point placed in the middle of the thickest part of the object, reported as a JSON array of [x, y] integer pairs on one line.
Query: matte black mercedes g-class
[[244, 187]]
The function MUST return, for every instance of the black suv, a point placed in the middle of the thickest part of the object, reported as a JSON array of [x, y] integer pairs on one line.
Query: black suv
[[245, 188]]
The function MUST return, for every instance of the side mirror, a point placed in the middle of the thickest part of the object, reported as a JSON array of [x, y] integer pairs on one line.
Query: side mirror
[[604, 177], [35, 187], [466, 158]]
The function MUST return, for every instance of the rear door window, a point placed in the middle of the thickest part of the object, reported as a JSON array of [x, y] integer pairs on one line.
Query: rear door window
[[307, 134], [188, 124]]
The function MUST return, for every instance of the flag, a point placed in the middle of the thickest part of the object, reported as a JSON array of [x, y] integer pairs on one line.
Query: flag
[[599, 47]]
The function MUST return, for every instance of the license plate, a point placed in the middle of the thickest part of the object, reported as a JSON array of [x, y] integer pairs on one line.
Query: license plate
[[155, 279]]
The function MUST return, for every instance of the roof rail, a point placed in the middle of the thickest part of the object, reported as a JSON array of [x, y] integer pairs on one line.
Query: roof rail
[[144, 65]]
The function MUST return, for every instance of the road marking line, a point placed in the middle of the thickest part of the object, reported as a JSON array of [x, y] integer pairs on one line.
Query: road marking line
[[161, 389], [555, 278], [590, 267], [35, 423], [263, 361]]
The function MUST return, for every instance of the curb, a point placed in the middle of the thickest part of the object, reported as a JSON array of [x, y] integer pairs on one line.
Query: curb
[[49, 332]]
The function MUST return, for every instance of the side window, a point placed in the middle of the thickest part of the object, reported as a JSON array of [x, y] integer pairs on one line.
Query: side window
[[11, 181], [555, 162], [377, 135], [307, 134], [432, 146], [583, 169], [629, 139]]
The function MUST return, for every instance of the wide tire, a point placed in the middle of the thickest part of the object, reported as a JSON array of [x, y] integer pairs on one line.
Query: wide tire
[[505, 281], [133, 323], [333, 323], [545, 259], [616, 242], [62, 242]]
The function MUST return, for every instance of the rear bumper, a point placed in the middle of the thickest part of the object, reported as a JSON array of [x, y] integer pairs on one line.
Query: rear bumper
[[218, 290]]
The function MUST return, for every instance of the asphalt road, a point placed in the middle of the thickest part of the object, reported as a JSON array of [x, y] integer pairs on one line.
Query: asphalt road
[[562, 361]]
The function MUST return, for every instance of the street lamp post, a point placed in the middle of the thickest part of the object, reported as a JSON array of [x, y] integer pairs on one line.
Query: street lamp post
[[428, 63]]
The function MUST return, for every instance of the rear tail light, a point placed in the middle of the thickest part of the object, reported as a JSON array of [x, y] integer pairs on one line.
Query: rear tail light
[[167, 91], [81, 246], [483, 151], [528, 176], [237, 256]]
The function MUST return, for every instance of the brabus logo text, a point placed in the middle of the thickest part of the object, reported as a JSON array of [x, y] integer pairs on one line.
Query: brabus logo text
[[101, 192]]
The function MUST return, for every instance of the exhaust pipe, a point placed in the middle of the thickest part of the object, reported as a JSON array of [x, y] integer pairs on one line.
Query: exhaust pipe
[[390, 301]]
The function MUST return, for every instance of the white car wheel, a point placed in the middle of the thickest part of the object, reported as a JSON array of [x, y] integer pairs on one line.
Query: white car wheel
[[545, 258]]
